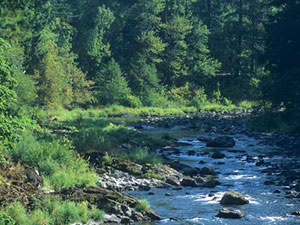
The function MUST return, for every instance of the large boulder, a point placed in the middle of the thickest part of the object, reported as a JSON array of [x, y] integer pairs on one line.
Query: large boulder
[[221, 142], [231, 213], [233, 198], [189, 182]]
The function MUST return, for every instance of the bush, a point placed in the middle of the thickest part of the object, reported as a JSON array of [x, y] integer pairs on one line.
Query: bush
[[66, 212], [5, 219], [142, 156], [102, 138], [142, 206], [51, 211], [39, 217], [18, 213], [59, 165]]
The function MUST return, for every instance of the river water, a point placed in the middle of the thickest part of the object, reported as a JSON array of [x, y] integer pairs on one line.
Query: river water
[[196, 206]]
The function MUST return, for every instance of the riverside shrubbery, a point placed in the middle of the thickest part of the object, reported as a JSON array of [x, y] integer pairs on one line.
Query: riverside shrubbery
[[54, 158], [50, 211]]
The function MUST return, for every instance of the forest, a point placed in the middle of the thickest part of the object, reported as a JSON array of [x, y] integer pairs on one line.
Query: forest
[[74, 74]]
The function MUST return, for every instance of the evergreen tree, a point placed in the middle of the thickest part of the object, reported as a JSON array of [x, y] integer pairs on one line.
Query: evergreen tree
[[110, 86], [284, 55]]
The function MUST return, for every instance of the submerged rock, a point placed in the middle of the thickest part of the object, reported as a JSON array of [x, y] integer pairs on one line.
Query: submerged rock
[[231, 213], [221, 142], [233, 198], [218, 155], [191, 152]]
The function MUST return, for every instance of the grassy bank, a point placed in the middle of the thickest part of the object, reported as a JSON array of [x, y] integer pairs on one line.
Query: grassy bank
[[121, 111]]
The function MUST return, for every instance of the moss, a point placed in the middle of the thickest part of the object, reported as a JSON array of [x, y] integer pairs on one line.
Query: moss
[[150, 174]]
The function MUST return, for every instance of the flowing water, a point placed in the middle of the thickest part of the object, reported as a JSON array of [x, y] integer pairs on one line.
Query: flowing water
[[196, 206]]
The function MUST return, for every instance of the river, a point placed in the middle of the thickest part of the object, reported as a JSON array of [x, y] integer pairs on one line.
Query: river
[[236, 172]]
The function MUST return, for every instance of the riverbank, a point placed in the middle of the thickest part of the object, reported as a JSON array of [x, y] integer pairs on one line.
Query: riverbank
[[140, 155]]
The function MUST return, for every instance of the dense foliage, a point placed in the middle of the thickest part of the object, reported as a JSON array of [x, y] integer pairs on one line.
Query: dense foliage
[[133, 53]]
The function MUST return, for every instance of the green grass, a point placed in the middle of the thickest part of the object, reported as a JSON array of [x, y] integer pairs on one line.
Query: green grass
[[54, 158], [52, 211], [122, 111], [142, 156], [219, 106], [142, 206]]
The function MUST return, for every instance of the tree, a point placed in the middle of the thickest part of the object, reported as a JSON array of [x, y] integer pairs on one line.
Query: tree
[[8, 120], [110, 86], [283, 55]]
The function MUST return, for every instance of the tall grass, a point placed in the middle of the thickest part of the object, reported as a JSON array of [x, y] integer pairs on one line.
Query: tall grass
[[59, 165], [52, 211]]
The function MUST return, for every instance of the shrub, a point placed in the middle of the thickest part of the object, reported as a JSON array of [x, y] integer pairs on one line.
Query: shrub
[[142, 156], [142, 206], [5, 219], [59, 165], [18, 212], [39, 217], [52, 211]]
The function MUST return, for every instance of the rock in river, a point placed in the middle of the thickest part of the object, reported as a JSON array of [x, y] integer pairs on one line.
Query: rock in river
[[207, 171], [296, 213], [233, 198], [221, 142], [231, 213], [218, 155]]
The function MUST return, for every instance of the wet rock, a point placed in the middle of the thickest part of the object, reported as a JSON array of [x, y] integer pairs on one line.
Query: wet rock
[[297, 187], [112, 219], [269, 182], [111, 202], [177, 188], [218, 155], [211, 183], [173, 181], [221, 142], [207, 171], [189, 182], [202, 162], [177, 152], [204, 153], [138, 127], [296, 213], [260, 163], [191, 152], [174, 219], [168, 194], [277, 192], [231, 213], [191, 172], [204, 139], [233, 198]]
